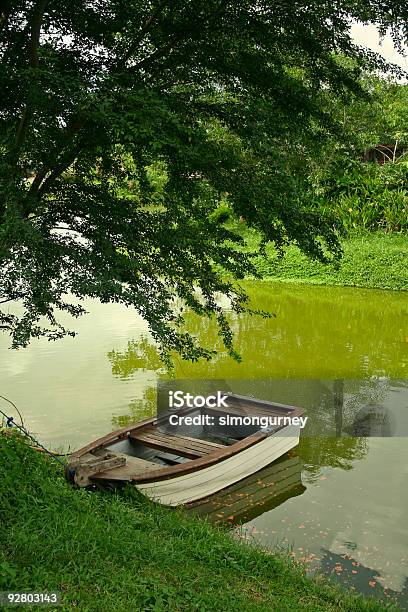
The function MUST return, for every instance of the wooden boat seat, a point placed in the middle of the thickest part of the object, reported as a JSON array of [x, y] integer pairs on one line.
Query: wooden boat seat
[[184, 446], [130, 466]]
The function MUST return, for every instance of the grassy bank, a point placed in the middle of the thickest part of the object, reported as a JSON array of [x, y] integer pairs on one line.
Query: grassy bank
[[376, 261], [107, 551]]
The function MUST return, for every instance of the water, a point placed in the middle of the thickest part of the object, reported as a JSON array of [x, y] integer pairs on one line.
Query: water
[[337, 502], [350, 523]]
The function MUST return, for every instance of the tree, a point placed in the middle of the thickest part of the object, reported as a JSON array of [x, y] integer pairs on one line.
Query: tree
[[95, 94]]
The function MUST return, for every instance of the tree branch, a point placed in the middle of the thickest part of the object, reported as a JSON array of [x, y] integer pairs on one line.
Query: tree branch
[[74, 125], [159, 52], [36, 31], [145, 28], [22, 128], [33, 61], [178, 38], [65, 162]]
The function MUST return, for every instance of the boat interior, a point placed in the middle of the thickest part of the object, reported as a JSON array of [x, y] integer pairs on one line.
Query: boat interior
[[166, 445], [158, 444], [150, 448]]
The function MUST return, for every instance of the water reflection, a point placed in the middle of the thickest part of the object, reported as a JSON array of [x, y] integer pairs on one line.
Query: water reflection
[[338, 501], [373, 420], [349, 572], [256, 494], [318, 332], [139, 355], [139, 409], [350, 521]]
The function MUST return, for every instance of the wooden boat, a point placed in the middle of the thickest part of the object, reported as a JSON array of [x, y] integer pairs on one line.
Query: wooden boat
[[175, 469], [264, 490]]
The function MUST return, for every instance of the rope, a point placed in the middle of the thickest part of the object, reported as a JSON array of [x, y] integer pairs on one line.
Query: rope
[[15, 407], [10, 423]]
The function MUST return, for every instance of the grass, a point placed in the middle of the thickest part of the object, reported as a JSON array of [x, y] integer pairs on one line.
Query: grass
[[372, 260], [118, 551]]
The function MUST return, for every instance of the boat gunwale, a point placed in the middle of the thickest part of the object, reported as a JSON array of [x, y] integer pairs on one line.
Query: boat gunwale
[[166, 473]]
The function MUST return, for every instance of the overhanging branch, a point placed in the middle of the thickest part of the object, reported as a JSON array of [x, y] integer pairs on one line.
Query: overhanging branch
[[33, 61]]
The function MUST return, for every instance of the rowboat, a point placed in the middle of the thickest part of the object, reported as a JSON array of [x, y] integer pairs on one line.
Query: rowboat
[[224, 445]]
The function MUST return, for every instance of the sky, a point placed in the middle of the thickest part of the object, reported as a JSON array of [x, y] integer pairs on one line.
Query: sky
[[367, 35]]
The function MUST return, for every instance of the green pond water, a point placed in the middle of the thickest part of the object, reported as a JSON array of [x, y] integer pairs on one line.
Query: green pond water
[[339, 501]]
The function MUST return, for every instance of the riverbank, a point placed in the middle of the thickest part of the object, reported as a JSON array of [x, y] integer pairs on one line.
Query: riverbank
[[118, 551], [375, 261]]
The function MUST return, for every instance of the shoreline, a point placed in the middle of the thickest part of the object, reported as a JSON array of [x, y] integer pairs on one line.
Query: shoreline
[[310, 282], [370, 261], [118, 550]]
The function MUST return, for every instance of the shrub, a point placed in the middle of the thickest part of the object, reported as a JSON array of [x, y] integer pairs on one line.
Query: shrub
[[369, 196]]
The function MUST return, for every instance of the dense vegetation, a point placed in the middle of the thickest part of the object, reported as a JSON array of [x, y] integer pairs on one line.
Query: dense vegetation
[[368, 196], [368, 200], [121, 552], [363, 180], [229, 99], [375, 261]]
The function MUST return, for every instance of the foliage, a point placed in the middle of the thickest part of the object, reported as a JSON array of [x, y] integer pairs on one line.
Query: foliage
[[380, 119], [182, 102], [121, 552], [222, 214], [376, 261], [369, 196], [365, 196]]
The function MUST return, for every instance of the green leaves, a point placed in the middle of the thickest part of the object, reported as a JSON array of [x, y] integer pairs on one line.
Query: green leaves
[[373, 197], [123, 128]]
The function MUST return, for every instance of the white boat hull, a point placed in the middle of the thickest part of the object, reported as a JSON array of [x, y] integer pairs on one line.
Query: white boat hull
[[204, 482]]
